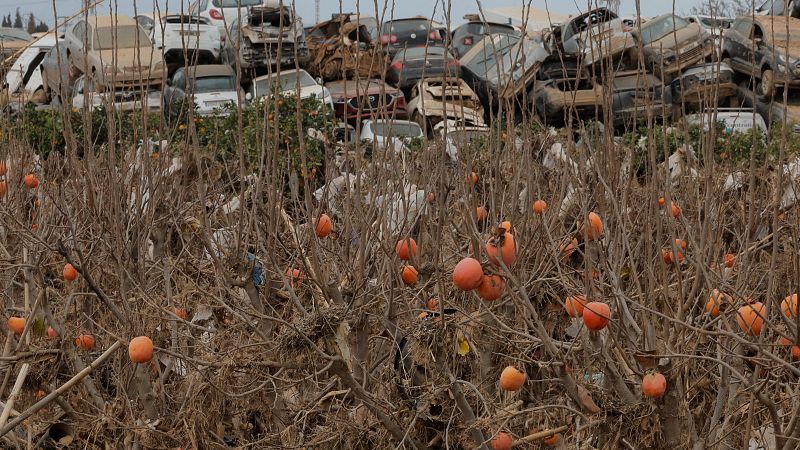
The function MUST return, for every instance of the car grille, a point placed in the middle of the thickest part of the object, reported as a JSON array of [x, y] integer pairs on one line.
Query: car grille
[[261, 52], [691, 55], [371, 102]]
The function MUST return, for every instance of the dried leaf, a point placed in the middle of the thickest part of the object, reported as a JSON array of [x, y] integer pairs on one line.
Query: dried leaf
[[66, 440], [586, 400], [646, 359], [463, 347]]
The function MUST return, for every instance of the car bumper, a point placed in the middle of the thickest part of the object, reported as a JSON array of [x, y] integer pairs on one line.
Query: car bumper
[[264, 55], [178, 55], [705, 92], [684, 61]]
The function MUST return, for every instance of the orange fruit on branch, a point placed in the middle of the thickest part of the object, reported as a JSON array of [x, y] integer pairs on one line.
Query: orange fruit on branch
[[31, 181], [574, 305], [16, 324], [409, 275], [405, 248], [85, 342], [729, 259], [468, 274], [539, 206], [491, 288], [654, 385], [69, 272], [503, 246], [511, 379], [750, 318], [481, 213], [595, 229], [716, 300], [323, 226], [502, 441], [140, 349], [789, 306], [596, 315]]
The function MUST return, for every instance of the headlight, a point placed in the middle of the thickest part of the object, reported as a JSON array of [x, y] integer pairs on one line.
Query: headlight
[[708, 41], [669, 59]]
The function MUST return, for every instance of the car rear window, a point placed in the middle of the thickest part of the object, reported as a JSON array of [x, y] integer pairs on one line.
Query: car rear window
[[211, 84], [418, 53], [125, 36], [235, 3], [411, 32], [395, 129], [479, 28]]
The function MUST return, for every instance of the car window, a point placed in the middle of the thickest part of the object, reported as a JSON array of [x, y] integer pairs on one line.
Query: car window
[[145, 22], [126, 36], [288, 81], [657, 29], [213, 83], [395, 129], [488, 54], [742, 27], [79, 30], [410, 32], [235, 3], [179, 80], [418, 53], [479, 28]]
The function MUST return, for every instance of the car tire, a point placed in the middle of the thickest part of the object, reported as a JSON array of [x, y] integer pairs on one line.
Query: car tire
[[766, 87]]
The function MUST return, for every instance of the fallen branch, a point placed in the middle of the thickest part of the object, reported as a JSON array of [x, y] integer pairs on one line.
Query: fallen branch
[[12, 397], [539, 435], [64, 388]]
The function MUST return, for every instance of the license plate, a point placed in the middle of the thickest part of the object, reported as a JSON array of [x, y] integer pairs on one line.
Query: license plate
[[687, 49]]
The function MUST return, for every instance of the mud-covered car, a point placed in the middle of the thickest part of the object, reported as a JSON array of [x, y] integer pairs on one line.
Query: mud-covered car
[[467, 35], [706, 84], [637, 96], [671, 44], [553, 102], [591, 37], [114, 51], [269, 35], [12, 41], [756, 47], [478, 64], [414, 64], [343, 48], [363, 99], [399, 34], [436, 99], [779, 8]]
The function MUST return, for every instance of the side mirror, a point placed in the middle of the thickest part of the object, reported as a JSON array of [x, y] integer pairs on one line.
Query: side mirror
[[319, 81], [248, 96]]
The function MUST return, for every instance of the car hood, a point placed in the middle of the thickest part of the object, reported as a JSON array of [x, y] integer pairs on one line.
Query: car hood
[[307, 91], [685, 35], [129, 58], [362, 87]]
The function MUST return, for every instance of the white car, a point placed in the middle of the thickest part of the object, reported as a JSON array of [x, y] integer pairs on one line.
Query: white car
[[222, 13], [211, 87], [457, 135], [733, 119], [391, 133], [86, 94], [289, 80], [174, 33], [24, 79]]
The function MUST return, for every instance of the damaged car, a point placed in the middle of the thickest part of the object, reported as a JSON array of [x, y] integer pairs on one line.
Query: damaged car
[[478, 63], [269, 35], [23, 81], [671, 44], [115, 51], [591, 37], [354, 101], [89, 94], [287, 82], [414, 64], [183, 39], [400, 34], [770, 65], [704, 84], [467, 35], [554, 102], [434, 100], [12, 40], [343, 48], [638, 96], [393, 134]]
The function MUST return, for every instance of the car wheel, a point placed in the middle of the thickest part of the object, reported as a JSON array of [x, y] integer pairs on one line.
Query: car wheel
[[766, 88]]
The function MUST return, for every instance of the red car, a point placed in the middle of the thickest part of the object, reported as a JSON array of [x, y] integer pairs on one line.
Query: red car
[[354, 101]]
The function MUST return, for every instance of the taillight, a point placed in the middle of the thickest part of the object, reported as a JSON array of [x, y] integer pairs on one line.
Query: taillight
[[215, 14], [434, 35], [454, 63], [388, 39], [467, 41], [397, 65]]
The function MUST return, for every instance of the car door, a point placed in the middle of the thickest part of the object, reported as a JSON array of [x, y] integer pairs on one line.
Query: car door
[[78, 45], [741, 45]]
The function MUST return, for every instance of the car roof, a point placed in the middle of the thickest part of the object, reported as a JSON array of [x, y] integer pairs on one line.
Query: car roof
[[351, 86], [209, 70], [777, 23], [110, 21]]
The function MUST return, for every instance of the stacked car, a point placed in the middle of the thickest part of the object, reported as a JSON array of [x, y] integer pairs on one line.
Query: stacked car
[[594, 66]]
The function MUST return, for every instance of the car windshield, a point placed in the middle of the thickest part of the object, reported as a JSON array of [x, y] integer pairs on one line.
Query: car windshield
[[288, 81], [488, 54], [657, 29], [418, 53], [479, 28], [213, 84], [13, 34], [235, 3], [126, 36], [396, 129], [710, 23]]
